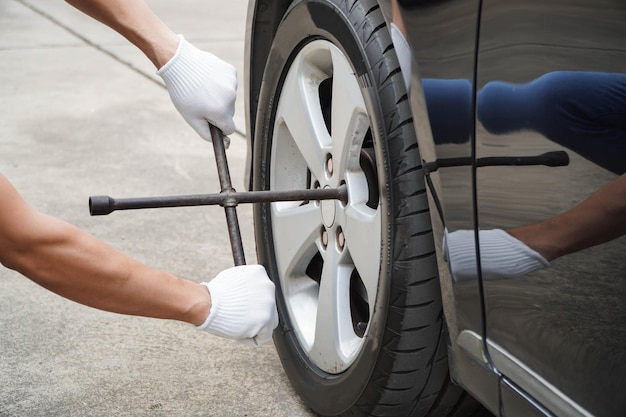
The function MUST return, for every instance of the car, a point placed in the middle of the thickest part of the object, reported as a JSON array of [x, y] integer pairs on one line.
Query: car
[[476, 266]]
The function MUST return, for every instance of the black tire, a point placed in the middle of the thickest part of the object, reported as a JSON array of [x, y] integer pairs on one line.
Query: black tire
[[401, 366]]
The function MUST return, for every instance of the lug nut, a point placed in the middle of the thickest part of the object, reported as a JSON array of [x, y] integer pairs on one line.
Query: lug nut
[[324, 238], [341, 240], [329, 165]]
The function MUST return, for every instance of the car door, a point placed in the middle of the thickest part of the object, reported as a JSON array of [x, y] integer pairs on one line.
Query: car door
[[551, 78]]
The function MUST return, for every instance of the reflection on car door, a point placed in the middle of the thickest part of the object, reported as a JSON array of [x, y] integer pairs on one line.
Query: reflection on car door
[[551, 77]]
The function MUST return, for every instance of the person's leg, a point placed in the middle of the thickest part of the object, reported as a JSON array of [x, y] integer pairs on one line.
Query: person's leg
[[582, 111], [449, 106]]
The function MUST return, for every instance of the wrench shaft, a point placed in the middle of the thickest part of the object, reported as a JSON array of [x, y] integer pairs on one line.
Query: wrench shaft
[[234, 232]]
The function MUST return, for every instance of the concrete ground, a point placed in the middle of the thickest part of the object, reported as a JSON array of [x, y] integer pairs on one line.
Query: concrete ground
[[82, 113]]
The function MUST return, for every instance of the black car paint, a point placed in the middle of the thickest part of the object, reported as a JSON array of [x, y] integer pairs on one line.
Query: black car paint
[[565, 323]]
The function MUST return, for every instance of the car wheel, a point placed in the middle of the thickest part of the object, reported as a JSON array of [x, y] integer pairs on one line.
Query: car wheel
[[361, 324]]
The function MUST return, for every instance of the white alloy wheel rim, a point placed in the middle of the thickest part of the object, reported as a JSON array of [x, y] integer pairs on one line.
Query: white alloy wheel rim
[[342, 240]]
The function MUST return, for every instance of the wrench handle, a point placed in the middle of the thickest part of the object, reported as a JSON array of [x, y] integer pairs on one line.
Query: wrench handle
[[230, 209]]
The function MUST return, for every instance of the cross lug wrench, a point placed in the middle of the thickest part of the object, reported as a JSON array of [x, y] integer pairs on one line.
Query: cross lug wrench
[[228, 198]]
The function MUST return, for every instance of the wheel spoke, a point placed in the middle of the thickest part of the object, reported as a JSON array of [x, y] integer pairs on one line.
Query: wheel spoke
[[362, 229], [335, 340], [295, 232], [300, 112], [350, 121], [319, 246]]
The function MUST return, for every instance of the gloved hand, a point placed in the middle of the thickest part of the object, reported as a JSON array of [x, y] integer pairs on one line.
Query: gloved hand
[[202, 87], [501, 255], [243, 305]]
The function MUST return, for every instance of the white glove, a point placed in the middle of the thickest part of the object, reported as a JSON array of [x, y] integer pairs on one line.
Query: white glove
[[243, 305], [501, 255], [202, 87]]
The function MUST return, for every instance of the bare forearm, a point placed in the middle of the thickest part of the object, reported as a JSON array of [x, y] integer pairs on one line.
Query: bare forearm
[[134, 20], [598, 219], [84, 269], [78, 266]]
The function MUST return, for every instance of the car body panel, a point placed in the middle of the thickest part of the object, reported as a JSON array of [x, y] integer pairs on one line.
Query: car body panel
[[565, 322]]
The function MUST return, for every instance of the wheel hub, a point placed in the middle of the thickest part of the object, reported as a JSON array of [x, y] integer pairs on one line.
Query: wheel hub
[[329, 210]]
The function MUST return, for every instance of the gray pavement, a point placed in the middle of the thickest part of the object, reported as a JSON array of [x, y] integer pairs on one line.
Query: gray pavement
[[82, 113]]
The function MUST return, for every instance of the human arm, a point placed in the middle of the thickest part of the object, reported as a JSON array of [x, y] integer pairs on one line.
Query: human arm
[[134, 20], [239, 303], [596, 220], [80, 267], [202, 86]]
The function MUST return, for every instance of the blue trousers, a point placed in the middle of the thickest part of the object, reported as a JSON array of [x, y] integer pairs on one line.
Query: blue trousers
[[582, 111]]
